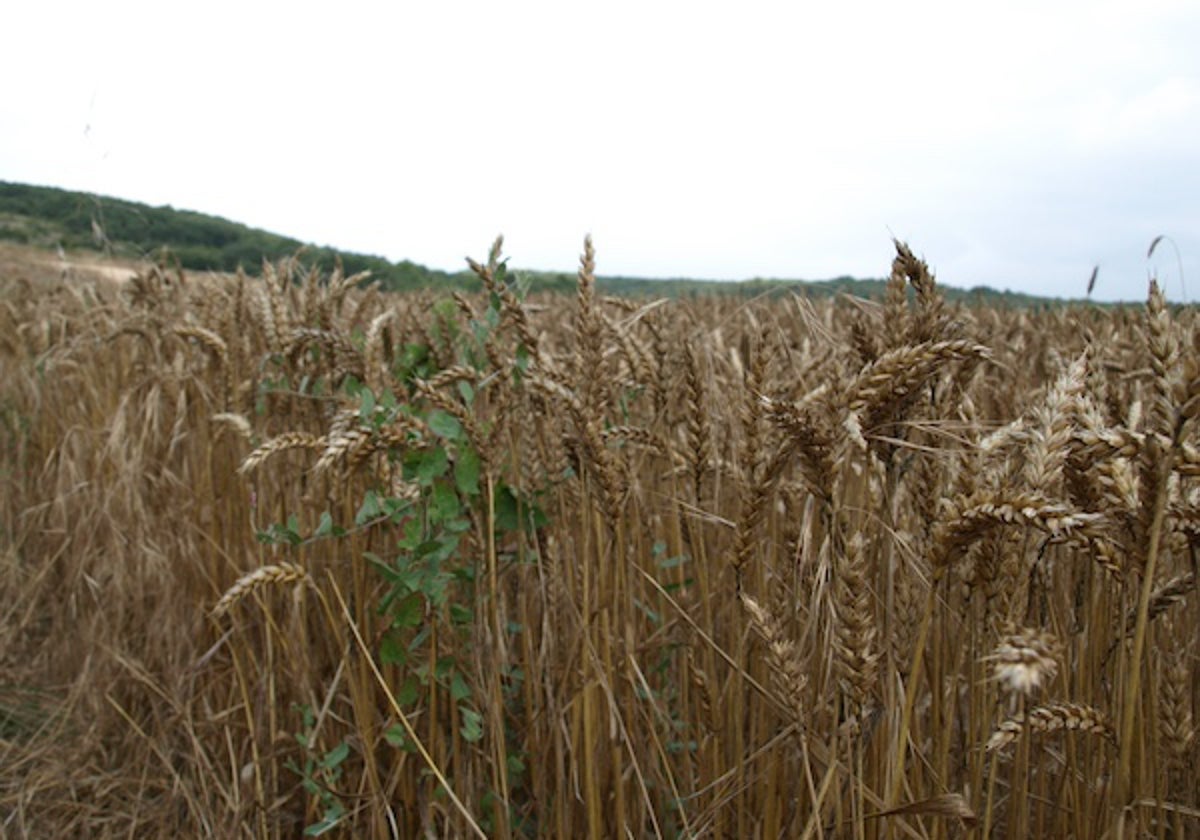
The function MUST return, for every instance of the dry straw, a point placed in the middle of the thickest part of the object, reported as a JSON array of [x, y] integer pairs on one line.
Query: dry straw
[[934, 510]]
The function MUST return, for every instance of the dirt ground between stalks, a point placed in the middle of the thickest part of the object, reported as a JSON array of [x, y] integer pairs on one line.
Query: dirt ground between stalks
[[38, 265]]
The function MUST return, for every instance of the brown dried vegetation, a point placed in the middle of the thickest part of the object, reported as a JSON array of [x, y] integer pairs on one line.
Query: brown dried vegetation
[[840, 569]]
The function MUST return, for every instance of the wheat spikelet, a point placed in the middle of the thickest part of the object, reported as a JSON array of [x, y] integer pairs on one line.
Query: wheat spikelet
[[1100, 444], [856, 655], [281, 443], [1166, 595], [1187, 463], [456, 409], [589, 380], [350, 446], [355, 445], [1051, 441], [969, 522], [277, 574], [704, 692], [811, 440], [635, 353], [1175, 724], [896, 314], [636, 435], [787, 668], [755, 461], [1163, 352], [450, 376], [237, 422], [893, 377], [698, 452], [1053, 717], [377, 355], [929, 320], [1023, 661], [338, 351], [340, 285], [271, 309], [213, 344], [865, 336], [338, 446]]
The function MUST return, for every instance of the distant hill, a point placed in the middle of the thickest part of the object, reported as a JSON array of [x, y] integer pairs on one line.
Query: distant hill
[[48, 217]]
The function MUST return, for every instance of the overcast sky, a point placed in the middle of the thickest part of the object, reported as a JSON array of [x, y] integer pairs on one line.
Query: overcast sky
[[1011, 144]]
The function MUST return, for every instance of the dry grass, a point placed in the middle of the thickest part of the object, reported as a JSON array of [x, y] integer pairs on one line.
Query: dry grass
[[590, 567]]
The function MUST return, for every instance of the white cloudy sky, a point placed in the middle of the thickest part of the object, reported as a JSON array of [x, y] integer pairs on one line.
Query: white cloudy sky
[[1012, 144]]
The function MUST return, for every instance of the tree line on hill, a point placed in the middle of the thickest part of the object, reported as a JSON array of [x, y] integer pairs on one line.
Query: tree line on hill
[[50, 217]]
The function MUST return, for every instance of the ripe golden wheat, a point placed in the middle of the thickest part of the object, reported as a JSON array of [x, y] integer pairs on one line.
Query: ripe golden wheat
[[707, 567]]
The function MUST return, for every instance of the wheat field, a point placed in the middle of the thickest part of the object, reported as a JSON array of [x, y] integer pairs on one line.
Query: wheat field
[[286, 556]]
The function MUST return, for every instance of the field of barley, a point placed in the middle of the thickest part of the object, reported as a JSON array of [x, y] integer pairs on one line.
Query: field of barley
[[285, 556]]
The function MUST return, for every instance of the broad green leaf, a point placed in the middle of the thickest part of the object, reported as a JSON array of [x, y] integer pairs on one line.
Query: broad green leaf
[[445, 425], [335, 756], [430, 464], [368, 510], [293, 530], [472, 724], [396, 736], [391, 651], [409, 611], [367, 407], [331, 819], [407, 695], [324, 526], [459, 690], [467, 392], [466, 472], [443, 503]]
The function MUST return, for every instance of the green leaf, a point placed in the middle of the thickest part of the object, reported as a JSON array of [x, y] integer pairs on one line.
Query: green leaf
[[447, 546], [407, 695], [444, 667], [445, 425], [293, 530], [333, 816], [514, 515], [673, 562], [458, 525], [396, 508], [466, 472], [523, 358], [325, 526], [366, 408], [654, 617], [429, 464], [411, 534], [409, 611], [396, 736], [368, 510], [335, 756], [472, 724], [391, 650], [443, 503], [459, 690], [466, 392]]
